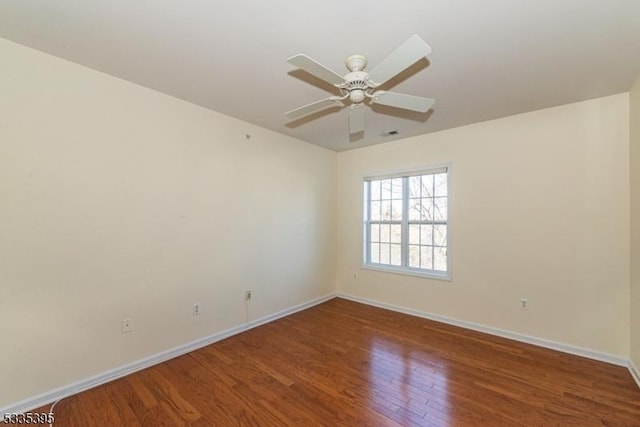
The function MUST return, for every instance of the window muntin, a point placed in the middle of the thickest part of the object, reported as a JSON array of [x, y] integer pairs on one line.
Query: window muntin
[[407, 221]]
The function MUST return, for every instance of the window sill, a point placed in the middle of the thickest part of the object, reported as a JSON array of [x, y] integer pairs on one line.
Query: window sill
[[436, 276]]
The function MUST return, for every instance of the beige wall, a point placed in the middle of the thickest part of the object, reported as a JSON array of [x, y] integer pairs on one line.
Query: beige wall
[[540, 210], [120, 202], [634, 104]]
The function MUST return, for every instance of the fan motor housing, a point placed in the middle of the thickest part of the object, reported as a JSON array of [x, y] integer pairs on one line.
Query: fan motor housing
[[356, 86]]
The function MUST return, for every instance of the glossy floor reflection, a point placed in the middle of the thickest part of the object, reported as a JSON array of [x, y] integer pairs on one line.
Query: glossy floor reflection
[[410, 380], [347, 364]]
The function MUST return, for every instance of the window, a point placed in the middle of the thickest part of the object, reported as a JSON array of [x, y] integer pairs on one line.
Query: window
[[406, 222]]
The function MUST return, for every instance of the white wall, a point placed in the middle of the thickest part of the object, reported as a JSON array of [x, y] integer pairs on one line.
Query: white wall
[[540, 210], [634, 106], [120, 202]]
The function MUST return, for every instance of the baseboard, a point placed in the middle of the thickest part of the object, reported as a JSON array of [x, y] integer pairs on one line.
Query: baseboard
[[635, 372], [540, 342], [105, 377]]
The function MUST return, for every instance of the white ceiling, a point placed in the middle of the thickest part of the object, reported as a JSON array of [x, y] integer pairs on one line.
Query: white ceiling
[[490, 59]]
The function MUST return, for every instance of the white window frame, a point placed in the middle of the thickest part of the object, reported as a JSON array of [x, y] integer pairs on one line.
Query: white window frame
[[366, 238]]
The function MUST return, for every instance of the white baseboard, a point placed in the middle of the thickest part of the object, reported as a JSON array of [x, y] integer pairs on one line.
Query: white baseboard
[[635, 372], [77, 387], [105, 377], [541, 342]]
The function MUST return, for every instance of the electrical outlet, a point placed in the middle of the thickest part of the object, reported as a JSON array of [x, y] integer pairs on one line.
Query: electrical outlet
[[127, 326], [248, 294], [524, 304], [196, 309]]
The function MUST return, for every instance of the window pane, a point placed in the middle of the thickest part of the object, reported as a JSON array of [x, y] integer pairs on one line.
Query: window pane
[[396, 257], [375, 253], [396, 210], [396, 233], [440, 235], [440, 209], [375, 211], [414, 256], [385, 233], [386, 210], [375, 190], [440, 180], [375, 233], [414, 209], [426, 210], [386, 189], [384, 253], [427, 186], [414, 186], [440, 259], [396, 189], [426, 257], [426, 235], [414, 234]]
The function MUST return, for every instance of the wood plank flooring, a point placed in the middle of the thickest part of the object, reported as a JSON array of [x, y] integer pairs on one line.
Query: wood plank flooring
[[348, 364]]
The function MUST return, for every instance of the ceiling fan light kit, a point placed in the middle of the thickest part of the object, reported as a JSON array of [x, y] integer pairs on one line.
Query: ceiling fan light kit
[[358, 87]]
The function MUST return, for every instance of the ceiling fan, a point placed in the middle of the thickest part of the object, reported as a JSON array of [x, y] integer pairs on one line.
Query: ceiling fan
[[358, 87]]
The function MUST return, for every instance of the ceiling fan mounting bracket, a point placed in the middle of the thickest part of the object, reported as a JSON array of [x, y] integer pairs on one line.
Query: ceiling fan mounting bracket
[[356, 62]]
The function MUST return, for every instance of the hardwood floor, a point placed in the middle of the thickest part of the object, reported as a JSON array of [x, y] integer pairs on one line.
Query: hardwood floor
[[347, 364]]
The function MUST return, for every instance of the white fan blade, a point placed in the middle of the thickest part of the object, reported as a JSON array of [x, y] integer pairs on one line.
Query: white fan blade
[[318, 70], [313, 107], [400, 59], [400, 100], [356, 120]]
